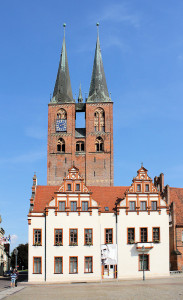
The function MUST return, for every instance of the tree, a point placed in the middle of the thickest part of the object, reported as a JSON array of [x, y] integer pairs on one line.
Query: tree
[[22, 258]]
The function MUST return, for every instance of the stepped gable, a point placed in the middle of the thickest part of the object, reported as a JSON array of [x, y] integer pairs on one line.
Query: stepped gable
[[176, 196]]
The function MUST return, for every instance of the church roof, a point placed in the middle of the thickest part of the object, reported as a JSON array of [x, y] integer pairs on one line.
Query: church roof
[[62, 91], [176, 196], [98, 87], [104, 196]]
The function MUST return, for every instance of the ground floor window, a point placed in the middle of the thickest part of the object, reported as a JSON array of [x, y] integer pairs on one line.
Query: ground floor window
[[37, 265], [89, 264], [146, 262], [73, 265], [58, 265]]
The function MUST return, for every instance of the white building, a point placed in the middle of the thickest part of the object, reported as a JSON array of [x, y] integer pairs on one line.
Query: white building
[[71, 224]]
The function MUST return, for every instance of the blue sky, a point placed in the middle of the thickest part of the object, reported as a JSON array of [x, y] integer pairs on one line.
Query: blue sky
[[142, 50]]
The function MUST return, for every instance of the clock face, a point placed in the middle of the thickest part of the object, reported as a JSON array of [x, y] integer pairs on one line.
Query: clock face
[[61, 125]]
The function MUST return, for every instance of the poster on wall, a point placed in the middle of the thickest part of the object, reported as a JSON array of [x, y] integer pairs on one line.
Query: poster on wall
[[109, 254]]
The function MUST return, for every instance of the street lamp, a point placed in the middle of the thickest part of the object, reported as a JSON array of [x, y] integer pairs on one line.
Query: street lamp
[[143, 250], [16, 254]]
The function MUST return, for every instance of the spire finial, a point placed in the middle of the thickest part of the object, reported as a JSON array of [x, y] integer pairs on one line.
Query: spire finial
[[97, 24], [64, 25], [141, 164]]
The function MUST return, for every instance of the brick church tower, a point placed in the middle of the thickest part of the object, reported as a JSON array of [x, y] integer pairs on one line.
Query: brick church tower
[[90, 149]]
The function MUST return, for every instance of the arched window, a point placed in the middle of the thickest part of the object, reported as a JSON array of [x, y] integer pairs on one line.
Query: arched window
[[61, 145], [99, 144], [80, 146], [61, 114], [99, 120]]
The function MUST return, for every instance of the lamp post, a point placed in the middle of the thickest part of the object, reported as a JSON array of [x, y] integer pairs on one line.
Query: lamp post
[[16, 254], [143, 250]]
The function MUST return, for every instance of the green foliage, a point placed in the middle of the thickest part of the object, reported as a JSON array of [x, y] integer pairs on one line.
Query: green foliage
[[22, 258]]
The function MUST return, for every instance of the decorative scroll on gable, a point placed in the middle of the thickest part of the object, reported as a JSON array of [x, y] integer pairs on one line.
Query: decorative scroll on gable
[[142, 183], [73, 182]]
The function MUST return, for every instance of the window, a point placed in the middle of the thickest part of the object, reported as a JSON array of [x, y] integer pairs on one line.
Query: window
[[146, 262], [80, 147], [61, 114], [88, 236], [58, 265], [138, 187], [132, 205], [77, 187], [73, 239], [106, 208], [88, 264], [108, 236], [84, 205], [58, 237], [73, 206], [61, 205], [99, 120], [147, 188], [143, 205], [73, 265], [156, 235], [61, 145], [37, 265], [182, 236], [37, 237], [153, 205], [131, 235], [99, 144], [69, 186], [143, 235]]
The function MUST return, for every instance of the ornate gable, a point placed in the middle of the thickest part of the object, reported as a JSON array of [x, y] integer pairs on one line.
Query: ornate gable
[[73, 182], [142, 183]]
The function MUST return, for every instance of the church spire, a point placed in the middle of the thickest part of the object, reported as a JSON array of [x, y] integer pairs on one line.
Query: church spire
[[80, 97], [98, 86], [62, 91]]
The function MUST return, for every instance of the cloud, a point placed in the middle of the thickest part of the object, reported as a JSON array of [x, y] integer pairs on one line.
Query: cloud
[[117, 13], [14, 239], [24, 158]]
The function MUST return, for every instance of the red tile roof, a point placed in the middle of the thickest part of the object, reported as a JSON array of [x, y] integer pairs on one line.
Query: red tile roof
[[176, 195], [105, 196], [44, 194]]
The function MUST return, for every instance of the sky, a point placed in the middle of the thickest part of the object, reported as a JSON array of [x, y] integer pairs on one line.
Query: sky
[[142, 50]]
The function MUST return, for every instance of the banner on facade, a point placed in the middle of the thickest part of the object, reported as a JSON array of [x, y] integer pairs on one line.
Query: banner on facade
[[109, 254]]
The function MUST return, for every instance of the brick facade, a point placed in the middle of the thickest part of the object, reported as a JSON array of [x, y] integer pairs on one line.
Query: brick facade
[[95, 167]]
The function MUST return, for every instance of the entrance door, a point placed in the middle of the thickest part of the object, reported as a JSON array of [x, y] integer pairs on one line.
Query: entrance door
[[108, 271]]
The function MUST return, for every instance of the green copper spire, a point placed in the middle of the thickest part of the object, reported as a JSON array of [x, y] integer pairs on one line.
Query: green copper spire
[[62, 91], [98, 86]]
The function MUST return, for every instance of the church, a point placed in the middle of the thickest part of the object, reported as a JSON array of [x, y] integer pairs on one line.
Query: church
[[82, 227]]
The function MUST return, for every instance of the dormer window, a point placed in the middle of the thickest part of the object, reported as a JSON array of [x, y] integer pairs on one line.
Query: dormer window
[[138, 187], [69, 186], [106, 208], [147, 188], [77, 187]]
